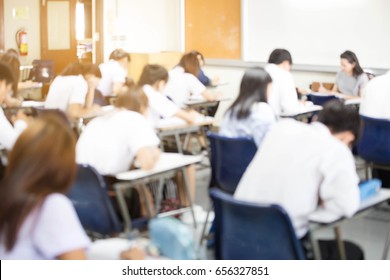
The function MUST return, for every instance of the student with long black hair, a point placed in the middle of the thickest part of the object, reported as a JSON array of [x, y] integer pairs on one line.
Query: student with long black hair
[[250, 115]]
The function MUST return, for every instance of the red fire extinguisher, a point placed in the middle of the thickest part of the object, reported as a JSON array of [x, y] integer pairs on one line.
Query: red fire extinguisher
[[21, 41]]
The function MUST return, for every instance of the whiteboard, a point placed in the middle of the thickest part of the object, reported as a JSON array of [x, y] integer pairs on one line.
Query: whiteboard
[[316, 32]]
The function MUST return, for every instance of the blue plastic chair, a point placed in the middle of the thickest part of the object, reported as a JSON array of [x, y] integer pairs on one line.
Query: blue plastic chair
[[374, 143], [93, 206], [250, 231], [229, 158], [320, 99]]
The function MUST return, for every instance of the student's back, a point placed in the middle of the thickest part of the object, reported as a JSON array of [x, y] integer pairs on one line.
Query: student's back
[[250, 115], [110, 142]]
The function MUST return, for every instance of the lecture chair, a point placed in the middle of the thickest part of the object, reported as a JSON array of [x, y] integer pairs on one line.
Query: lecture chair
[[94, 208], [320, 99], [42, 71], [229, 158], [252, 231], [374, 143]]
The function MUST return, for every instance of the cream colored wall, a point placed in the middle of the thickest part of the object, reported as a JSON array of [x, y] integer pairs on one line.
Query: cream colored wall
[[31, 23], [136, 27]]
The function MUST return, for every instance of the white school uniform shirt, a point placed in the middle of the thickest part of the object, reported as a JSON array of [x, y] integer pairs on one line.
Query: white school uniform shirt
[[110, 142], [112, 72], [66, 90], [9, 133], [181, 86], [296, 165], [48, 231], [283, 97], [255, 126], [375, 102], [159, 105]]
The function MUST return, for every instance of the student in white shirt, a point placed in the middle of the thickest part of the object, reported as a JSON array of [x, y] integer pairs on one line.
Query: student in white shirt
[[250, 115], [283, 97], [37, 220], [302, 167], [183, 82], [375, 104], [73, 90], [153, 80], [114, 141], [351, 80], [114, 73], [376, 98], [9, 133]]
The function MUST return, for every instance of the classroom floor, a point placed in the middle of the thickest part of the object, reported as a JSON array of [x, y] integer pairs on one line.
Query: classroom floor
[[369, 230]]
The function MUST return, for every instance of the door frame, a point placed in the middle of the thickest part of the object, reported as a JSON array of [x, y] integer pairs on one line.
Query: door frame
[[2, 25]]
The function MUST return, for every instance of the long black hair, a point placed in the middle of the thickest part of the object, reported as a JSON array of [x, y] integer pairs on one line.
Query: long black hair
[[253, 89], [352, 58]]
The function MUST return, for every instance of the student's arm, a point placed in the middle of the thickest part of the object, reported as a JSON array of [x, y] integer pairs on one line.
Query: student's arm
[[79, 105], [9, 133], [339, 191], [147, 157], [210, 95], [73, 255], [189, 117], [78, 110]]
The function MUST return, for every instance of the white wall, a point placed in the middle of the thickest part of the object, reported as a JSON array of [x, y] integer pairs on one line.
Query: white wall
[[31, 24], [142, 25], [317, 32]]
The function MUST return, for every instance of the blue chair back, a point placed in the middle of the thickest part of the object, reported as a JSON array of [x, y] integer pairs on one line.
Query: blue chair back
[[229, 158], [93, 206], [374, 142], [320, 99], [251, 231]]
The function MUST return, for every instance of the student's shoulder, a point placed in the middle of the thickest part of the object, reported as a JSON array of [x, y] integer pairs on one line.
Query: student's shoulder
[[264, 110], [56, 201]]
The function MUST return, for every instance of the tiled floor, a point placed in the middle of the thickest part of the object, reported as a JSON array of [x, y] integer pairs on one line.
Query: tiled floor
[[368, 231]]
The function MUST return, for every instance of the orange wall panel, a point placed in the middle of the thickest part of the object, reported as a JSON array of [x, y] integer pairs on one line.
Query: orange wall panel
[[213, 27]]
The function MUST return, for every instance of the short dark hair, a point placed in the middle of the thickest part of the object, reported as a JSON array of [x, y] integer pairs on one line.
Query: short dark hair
[[280, 55], [253, 89], [153, 73], [352, 58], [339, 117], [6, 74], [118, 54], [190, 63], [133, 99]]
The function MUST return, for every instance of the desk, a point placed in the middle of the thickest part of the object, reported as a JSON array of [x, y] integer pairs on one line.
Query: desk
[[204, 105], [167, 163], [30, 90], [305, 112], [322, 218], [176, 127]]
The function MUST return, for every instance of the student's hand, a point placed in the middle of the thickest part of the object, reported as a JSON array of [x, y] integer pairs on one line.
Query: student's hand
[[214, 81], [195, 116], [303, 91], [20, 116], [132, 254], [12, 101]]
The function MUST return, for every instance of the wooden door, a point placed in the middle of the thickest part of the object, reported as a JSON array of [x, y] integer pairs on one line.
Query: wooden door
[[1, 25], [58, 32]]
